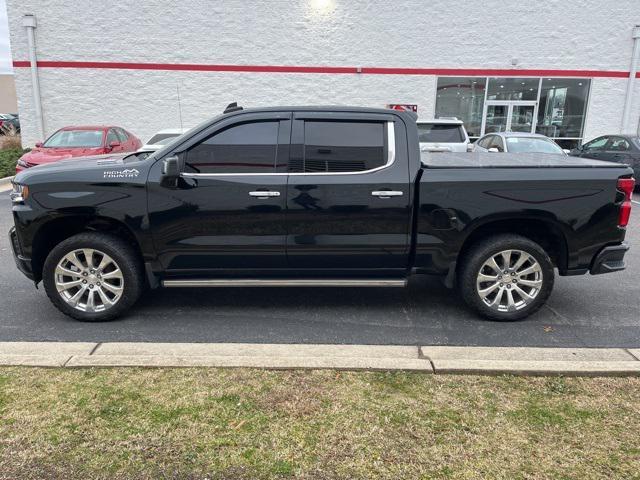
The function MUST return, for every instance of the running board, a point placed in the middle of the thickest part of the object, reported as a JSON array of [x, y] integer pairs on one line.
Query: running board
[[282, 282]]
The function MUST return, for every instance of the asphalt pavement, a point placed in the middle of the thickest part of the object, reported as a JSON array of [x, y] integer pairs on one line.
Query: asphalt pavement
[[586, 311]]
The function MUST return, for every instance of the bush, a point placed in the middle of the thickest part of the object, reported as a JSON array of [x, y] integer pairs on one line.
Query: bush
[[10, 142], [8, 160]]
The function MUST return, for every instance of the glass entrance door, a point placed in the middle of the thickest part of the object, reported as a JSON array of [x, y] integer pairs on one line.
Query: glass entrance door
[[496, 118], [509, 116]]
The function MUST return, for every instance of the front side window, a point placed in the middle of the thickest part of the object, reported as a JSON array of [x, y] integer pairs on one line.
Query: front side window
[[440, 133], [597, 144], [75, 139], [334, 146], [244, 148], [532, 145]]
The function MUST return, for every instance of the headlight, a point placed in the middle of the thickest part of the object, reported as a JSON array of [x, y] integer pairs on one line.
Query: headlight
[[22, 163], [19, 193]]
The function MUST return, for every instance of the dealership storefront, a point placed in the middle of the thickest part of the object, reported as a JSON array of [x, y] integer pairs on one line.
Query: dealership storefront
[[555, 107], [562, 72]]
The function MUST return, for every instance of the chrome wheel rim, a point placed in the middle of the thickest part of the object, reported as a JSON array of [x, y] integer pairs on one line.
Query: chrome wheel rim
[[509, 280], [89, 280]]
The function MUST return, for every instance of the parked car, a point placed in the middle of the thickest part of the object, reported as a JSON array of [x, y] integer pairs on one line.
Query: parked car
[[517, 142], [316, 197], [613, 148], [9, 124], [80, 141], [443, 135], [160, 139]]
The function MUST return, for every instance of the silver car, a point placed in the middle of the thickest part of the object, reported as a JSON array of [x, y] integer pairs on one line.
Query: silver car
[[517, 142], [443, 135]]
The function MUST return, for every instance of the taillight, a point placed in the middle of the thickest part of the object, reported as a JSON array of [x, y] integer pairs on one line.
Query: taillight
[[625, 185]]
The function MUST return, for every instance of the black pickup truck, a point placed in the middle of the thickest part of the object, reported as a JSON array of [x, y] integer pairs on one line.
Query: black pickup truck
[[315, 197]]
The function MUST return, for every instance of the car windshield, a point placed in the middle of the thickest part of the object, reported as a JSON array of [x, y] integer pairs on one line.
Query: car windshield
[[532, 145], [162, 138], [441, 133], [75, 138]]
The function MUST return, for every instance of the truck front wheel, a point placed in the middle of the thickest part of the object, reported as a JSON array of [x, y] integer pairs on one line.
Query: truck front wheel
[[92, 277], [506, 277]]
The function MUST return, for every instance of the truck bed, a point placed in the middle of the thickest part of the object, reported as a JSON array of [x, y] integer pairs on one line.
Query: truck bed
[[508, 160]]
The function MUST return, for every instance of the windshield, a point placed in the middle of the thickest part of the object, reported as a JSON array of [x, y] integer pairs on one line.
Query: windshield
[[162, 138], [440, 133], [75, 138], [532, 145]]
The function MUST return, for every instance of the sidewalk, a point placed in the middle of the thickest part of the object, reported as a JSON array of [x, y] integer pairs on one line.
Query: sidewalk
[[427, 359]]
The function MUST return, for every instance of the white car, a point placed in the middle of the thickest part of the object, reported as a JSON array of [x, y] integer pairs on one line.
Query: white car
[[161, 138], [443, 135], [517, 142]]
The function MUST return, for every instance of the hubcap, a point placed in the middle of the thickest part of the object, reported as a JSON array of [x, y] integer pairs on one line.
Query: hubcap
[[509, 280], [89, 280]]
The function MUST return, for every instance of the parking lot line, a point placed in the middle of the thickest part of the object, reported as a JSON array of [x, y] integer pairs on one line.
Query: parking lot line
[[637, 203]]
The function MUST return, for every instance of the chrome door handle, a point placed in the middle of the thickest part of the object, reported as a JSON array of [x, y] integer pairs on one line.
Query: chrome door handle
[[387, 193], [264, 194]]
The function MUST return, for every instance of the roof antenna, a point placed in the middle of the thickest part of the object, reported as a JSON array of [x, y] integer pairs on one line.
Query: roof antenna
[[232, 107], [179, 105]]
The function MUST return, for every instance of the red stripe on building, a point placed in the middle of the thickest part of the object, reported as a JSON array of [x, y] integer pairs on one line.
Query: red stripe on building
[[194, 67]]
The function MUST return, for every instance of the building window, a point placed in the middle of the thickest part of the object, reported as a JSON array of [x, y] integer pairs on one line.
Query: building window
[[462, 97], [513, 89], [555, 107], [562, 109]]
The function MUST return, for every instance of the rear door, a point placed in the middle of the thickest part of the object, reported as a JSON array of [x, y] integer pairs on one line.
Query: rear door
[[348, 197]]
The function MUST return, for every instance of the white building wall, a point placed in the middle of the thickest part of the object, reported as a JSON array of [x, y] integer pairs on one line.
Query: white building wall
[[555, 34]]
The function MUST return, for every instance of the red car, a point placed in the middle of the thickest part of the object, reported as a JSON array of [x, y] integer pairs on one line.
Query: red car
[[80, 141]]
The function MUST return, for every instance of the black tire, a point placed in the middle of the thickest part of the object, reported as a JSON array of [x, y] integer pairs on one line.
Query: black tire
[[123, 255], [484, 250]]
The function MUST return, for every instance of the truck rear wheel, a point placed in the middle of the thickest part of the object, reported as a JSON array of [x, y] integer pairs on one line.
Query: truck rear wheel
[[506, 277], [92, 277]]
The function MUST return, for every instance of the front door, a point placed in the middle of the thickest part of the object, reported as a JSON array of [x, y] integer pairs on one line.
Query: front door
[[509, 116], [348, 197], [227, 211]]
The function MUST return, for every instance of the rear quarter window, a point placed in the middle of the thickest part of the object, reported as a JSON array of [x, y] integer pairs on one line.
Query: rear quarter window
[[440, 133]]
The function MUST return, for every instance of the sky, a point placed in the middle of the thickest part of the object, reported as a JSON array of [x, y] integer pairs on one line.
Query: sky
[[5, 52]]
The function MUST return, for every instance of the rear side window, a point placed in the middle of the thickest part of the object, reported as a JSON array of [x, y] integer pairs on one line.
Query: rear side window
[[334, 146], [122, 134], [440, 133], [244, 148], [484, 142]]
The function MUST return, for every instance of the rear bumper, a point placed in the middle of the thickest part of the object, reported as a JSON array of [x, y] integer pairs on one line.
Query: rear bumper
[[23, 263], [609, 259]]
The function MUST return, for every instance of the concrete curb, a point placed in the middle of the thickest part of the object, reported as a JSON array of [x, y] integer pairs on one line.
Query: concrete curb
[[5, 181], [426, 359]]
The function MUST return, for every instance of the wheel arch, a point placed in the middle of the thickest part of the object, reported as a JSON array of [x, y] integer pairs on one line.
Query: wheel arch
[[57, 230], [546, 232]]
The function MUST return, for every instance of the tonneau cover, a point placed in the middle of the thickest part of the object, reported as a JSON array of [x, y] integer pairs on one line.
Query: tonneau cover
[[509, 160]]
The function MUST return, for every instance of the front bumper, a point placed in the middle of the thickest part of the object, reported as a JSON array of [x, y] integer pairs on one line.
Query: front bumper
[[609, 259], [23, 263]]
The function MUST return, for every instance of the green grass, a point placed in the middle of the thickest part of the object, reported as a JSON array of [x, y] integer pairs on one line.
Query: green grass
[[8, 160], [244, 423]]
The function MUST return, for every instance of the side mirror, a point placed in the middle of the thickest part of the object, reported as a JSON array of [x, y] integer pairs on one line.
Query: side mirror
[[171, 167], [114, 144], [38, 144], [493, 150]]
